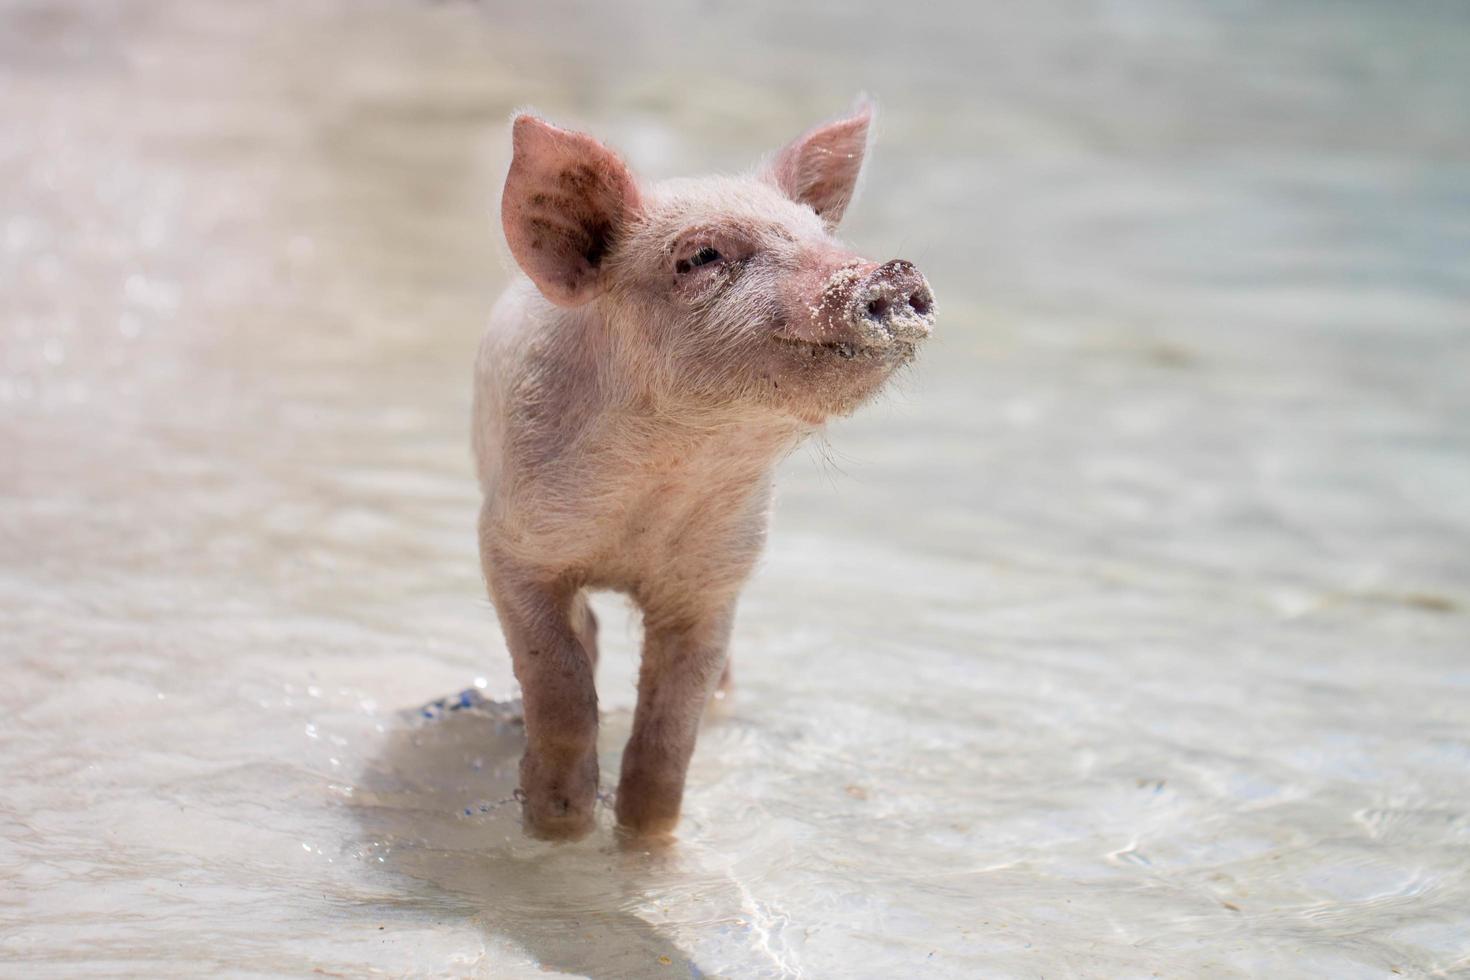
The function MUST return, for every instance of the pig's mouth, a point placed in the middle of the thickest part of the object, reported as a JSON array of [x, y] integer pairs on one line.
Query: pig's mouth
[[842, 348], [848, 350]]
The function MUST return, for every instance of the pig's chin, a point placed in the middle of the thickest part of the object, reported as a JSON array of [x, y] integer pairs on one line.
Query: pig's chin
[[817, 380]]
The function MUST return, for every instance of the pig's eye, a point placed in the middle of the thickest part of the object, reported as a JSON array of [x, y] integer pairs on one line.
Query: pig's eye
[[704, 256]]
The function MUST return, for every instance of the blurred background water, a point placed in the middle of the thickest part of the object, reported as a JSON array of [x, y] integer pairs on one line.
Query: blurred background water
[[1127, 637]]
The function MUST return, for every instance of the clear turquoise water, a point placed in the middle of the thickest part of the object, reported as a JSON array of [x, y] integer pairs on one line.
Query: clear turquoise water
[[1127, 636]]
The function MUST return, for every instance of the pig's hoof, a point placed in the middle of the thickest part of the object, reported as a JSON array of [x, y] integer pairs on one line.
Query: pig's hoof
[[642, 841], [557, 819], [558, 798], [647, 831], [646, 820]]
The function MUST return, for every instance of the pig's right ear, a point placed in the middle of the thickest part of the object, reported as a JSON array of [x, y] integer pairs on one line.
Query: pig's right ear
[[567, 198], [821, 168]]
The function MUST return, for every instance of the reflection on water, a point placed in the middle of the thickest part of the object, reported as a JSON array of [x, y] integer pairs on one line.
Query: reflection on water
[[1128, 636]]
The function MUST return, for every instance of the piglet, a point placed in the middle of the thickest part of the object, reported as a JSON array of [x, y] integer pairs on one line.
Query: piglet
[[669, 344]]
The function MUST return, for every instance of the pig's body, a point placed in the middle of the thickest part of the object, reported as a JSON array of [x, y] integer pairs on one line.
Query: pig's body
[[588, 476], [629, 411]]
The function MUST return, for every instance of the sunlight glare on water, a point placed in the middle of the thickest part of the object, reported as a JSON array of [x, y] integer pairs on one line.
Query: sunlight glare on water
[[1128, 634]]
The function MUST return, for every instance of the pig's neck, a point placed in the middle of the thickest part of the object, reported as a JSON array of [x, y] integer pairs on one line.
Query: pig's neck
[[668, 411]]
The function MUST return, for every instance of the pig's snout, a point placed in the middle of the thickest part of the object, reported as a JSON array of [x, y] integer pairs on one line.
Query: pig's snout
[[893, 302], [865, 307]]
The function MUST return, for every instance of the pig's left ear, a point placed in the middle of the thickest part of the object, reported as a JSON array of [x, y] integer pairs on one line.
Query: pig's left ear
[[567, 198], [821, 168]]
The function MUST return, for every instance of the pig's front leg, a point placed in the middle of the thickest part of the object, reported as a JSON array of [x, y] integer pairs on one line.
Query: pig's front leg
[[555, 670], [683, 658]]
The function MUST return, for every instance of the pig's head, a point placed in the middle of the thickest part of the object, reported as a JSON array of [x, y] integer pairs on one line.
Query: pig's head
[[730, 290]]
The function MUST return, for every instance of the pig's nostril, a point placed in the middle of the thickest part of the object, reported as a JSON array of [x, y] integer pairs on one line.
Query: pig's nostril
[[878, 308], [921, 304]]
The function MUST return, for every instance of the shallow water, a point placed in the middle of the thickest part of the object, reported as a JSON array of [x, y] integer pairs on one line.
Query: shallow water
[[1128, 636]]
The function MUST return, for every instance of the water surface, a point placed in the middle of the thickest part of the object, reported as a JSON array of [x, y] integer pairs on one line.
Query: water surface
[[1128, 635]]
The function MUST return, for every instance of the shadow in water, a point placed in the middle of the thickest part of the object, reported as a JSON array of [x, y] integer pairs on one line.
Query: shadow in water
[[436, 805]]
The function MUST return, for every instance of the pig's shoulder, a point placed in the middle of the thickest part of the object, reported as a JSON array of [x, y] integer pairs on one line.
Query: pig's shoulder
[[513, 320]]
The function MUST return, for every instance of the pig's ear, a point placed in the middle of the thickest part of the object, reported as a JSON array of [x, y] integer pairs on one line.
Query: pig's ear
[[821, 168], [567, 198]]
